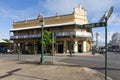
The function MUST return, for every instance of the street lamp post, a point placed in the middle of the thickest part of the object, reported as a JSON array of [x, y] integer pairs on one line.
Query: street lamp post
[[42, 39], [53, 47], [18, 51], [71, 36]]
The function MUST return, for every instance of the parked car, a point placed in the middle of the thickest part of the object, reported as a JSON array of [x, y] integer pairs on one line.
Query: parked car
[[5, 50], [25, 52], [102, 50], [10, 51]]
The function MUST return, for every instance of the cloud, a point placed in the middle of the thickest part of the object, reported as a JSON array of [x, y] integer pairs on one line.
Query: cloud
[[17, 14], [7, 15], [49, 8], [67, 5], [58, 6], [95, 8], [110, 35], [115, 19], [101, 37]]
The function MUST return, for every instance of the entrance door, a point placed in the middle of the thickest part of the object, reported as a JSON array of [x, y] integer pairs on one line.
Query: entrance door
[[60, 47], [80, 48]]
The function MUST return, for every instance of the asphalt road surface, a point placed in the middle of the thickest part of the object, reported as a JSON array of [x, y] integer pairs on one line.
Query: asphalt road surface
[[98, 62], [94, 62]]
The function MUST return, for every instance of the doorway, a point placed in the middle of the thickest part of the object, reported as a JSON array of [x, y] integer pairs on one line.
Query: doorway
[[60, 47], [79, 47]]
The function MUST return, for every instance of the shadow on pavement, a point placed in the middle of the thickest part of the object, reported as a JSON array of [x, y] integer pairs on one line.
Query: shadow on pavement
[[47, 63], [103, 68], [29, 62], [30, 76], [12, 72]]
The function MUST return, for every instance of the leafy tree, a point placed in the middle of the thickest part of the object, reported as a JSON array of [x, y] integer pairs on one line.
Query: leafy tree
[[46, 42]]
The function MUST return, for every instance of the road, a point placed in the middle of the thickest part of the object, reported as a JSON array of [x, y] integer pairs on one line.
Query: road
[[94, 62], [97, 63]]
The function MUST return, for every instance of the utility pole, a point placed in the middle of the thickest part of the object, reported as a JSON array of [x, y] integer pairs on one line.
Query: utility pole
[[97, 41], [119, 45]]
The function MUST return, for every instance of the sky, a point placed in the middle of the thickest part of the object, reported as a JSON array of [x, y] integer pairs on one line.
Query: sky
[[18, 10]]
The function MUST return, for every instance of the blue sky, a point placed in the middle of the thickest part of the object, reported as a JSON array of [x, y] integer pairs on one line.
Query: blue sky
[[18, 10]]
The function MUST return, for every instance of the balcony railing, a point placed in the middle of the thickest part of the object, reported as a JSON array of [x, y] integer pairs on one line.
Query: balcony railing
[[25, 36], [76, 34], [58, 34]]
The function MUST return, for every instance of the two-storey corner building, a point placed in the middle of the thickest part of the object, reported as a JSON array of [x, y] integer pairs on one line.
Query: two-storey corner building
[[115, 42], [27, 32]]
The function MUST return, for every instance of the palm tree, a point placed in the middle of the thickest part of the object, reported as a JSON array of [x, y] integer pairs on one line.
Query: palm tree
[[6, 40]]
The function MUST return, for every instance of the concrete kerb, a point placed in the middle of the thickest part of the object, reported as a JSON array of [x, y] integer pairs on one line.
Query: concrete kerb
[[94, 71], [77, 54]]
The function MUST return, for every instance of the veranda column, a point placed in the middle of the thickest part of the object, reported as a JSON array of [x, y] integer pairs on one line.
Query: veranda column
[[76, 46], [65, 47], [35, 52], [84, 46], [26, 47], [15, 47]]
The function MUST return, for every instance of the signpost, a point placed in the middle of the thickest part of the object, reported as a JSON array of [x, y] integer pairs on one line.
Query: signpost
[[105, 18], [102, 23], [106, 47], [106, 50]]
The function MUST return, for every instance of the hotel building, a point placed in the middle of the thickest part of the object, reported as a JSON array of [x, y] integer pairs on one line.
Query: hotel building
[[67, 28]]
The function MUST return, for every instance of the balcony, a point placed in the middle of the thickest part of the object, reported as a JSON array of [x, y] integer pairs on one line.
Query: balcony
[[25, 36], [76, 34], [58, 34]]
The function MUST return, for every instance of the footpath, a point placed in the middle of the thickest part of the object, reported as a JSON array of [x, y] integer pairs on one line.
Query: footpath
[[33, 70]]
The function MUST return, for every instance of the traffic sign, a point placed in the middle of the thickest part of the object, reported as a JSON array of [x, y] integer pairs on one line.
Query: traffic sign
[[93, 25], [109, 12]]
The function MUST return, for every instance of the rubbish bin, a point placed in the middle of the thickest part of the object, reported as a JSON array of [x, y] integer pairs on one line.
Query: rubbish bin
[[93, 51]]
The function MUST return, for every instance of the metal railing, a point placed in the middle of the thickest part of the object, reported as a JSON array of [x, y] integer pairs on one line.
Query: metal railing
[[25, 36], [58, 34], [75, 33]]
